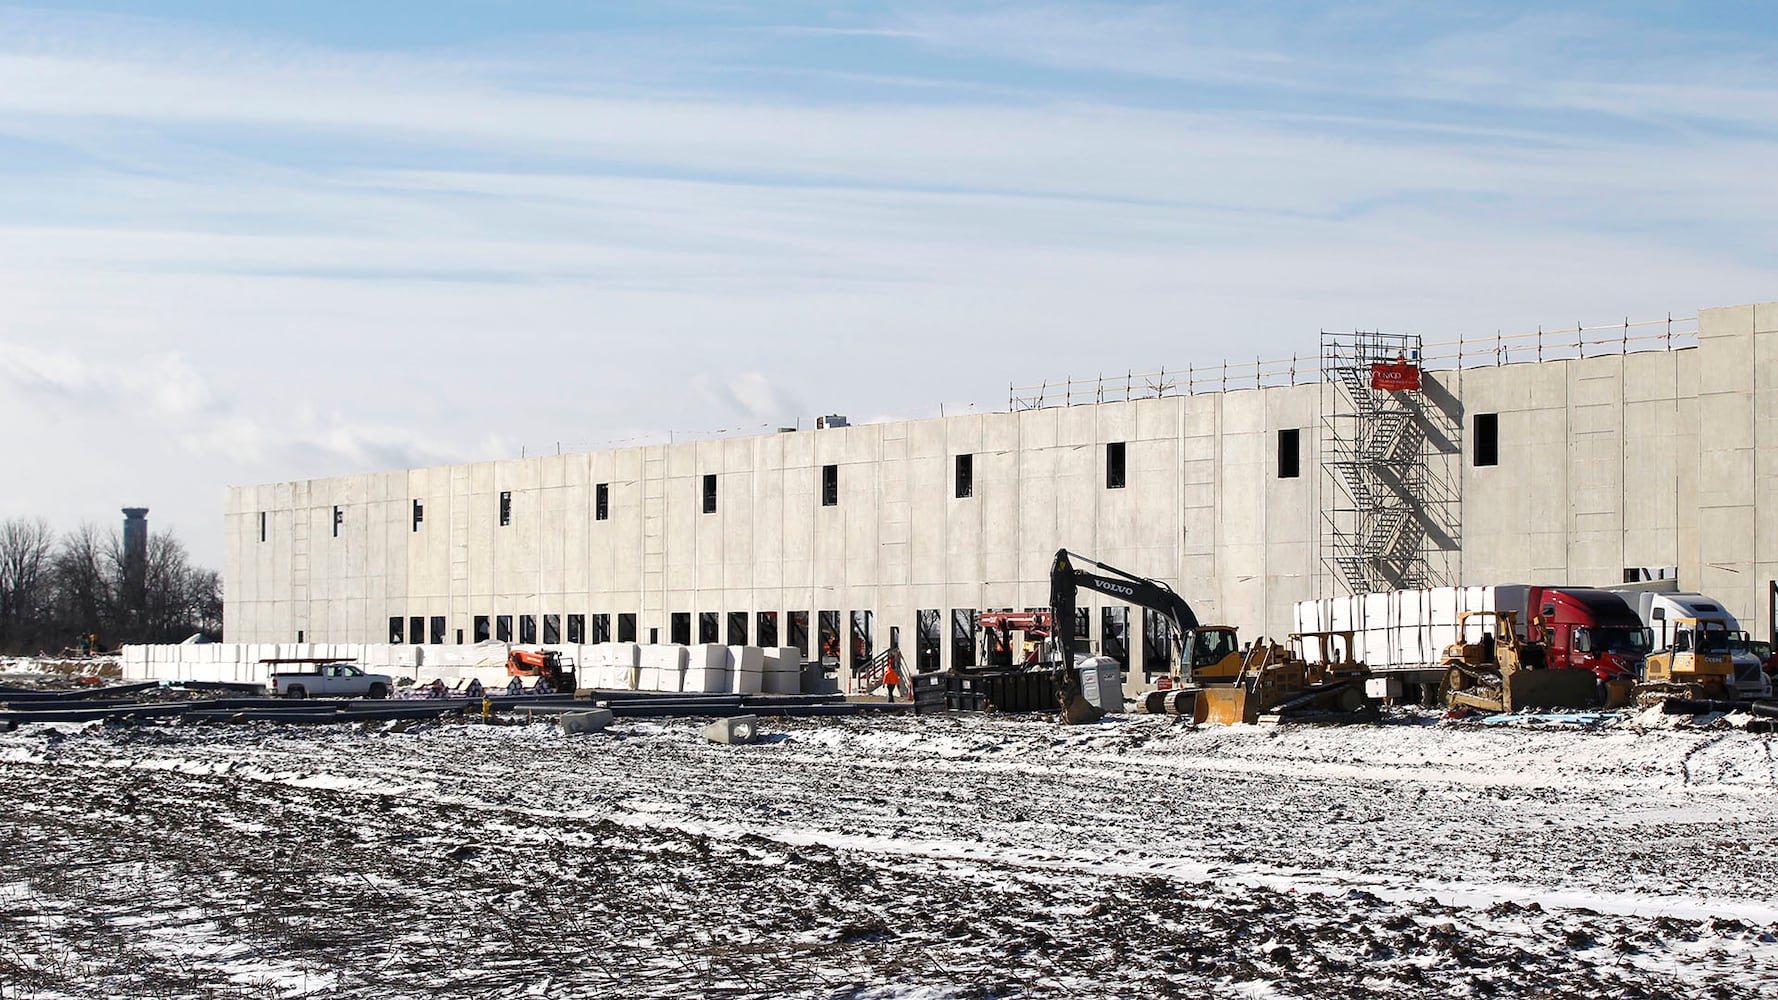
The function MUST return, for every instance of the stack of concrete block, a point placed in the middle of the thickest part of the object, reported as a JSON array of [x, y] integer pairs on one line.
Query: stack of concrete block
[[662, 668], [612, 666], [707, 670], [747, 669], [783, 670]]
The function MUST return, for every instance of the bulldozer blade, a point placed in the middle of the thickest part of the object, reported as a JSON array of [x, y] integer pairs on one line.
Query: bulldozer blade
[[1226, 705], [1559, 688]]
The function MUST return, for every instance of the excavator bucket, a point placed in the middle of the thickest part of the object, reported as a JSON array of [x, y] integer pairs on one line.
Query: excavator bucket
[[1076, 709], [1227, 704]]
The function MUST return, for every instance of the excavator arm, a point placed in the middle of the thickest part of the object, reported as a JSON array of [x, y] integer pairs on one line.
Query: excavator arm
[[1070, 572]]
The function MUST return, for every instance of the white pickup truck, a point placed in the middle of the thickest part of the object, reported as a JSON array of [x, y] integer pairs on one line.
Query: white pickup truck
[[331, 679]]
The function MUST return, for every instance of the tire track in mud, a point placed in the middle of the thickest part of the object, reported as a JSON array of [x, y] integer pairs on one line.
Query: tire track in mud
[[460, 862]]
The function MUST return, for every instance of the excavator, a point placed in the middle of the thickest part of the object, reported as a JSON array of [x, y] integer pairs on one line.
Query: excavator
[[547, 664], [1218, 680]]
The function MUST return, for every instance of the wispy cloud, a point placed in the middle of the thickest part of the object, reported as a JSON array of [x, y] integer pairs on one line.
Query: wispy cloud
[[281, 258]]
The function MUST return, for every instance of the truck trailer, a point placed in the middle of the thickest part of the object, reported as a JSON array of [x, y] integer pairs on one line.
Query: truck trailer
[[1402, 635]]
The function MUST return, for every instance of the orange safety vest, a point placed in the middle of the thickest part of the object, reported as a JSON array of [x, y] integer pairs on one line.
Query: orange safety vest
[[891, 678]]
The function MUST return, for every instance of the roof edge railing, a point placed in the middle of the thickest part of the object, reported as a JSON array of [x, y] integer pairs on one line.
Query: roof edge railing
[[1563, 344]]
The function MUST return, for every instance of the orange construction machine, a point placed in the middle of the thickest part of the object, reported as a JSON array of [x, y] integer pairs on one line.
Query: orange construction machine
[[547, 664], [999, 648]]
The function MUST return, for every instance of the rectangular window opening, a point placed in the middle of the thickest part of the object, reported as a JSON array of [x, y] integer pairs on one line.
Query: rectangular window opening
[[602, 628], [928, 639], [863, 638], [552, 630], [1487, 439], [419, 514], [1157, 643], [710, 493], [737, 628], [1114, 640], [527, 630], [1114, 466], [708, 627], [799, 632], [339, 516], [765, 629], [965, 476], [416, 630], [577, 629], [505, 508], [1290, 457], [963, 624], [262, 525], [395, 630], [626, 626], [679, 631], [482, 633], [503, 628], [437, 630], [830, 485], [602, 502], [829, 637]]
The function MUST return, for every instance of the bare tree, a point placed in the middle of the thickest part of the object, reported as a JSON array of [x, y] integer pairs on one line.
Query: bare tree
[[86, 583], [25, 547], [52, 594]]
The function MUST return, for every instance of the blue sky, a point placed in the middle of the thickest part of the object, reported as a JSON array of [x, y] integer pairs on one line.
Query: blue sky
[[254, 242]]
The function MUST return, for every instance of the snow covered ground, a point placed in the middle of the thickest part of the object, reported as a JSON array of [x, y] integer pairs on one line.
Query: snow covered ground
[[948, 856]]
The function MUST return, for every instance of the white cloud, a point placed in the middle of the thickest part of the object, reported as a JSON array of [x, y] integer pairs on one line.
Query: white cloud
[[262, 261]]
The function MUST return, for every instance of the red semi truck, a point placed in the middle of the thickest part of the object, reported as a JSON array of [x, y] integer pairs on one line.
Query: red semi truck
[[1584, 628]]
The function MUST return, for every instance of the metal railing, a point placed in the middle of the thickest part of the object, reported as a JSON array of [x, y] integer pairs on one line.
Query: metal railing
[[1567, 343]]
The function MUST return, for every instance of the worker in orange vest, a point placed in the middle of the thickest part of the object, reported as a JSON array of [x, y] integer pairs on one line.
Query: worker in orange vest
[[891, 678]]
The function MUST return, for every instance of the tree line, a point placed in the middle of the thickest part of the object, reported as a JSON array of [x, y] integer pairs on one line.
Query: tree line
[[57, 592]]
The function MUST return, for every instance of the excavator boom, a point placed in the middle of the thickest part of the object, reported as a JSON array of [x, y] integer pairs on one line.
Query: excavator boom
[[1069, 572]]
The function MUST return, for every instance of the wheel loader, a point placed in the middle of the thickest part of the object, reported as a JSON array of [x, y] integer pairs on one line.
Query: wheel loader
[[1504, 673]]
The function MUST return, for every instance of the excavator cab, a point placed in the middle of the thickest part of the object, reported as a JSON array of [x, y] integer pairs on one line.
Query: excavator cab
[[1215, 654]]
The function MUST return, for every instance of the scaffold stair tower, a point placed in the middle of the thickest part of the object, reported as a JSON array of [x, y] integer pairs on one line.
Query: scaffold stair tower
[[1375, 454]]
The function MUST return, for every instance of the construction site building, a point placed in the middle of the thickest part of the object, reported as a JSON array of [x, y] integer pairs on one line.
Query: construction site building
[[1570, 458]]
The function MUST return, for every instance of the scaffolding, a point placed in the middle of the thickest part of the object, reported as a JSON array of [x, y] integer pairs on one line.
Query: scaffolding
[[1392, 507]]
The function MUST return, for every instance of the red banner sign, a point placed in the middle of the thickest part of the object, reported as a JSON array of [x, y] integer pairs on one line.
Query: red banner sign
[[1395, 377]]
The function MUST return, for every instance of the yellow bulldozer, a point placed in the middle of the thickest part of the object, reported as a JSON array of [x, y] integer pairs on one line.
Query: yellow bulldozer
[[1698, 664], [1501, 672], [1285, 682]]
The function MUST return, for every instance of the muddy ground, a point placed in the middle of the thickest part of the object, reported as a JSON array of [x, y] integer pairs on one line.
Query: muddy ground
[[959, 856]]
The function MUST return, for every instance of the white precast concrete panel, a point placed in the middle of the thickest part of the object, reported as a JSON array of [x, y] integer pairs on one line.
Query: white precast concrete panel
[[1648, 459]]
